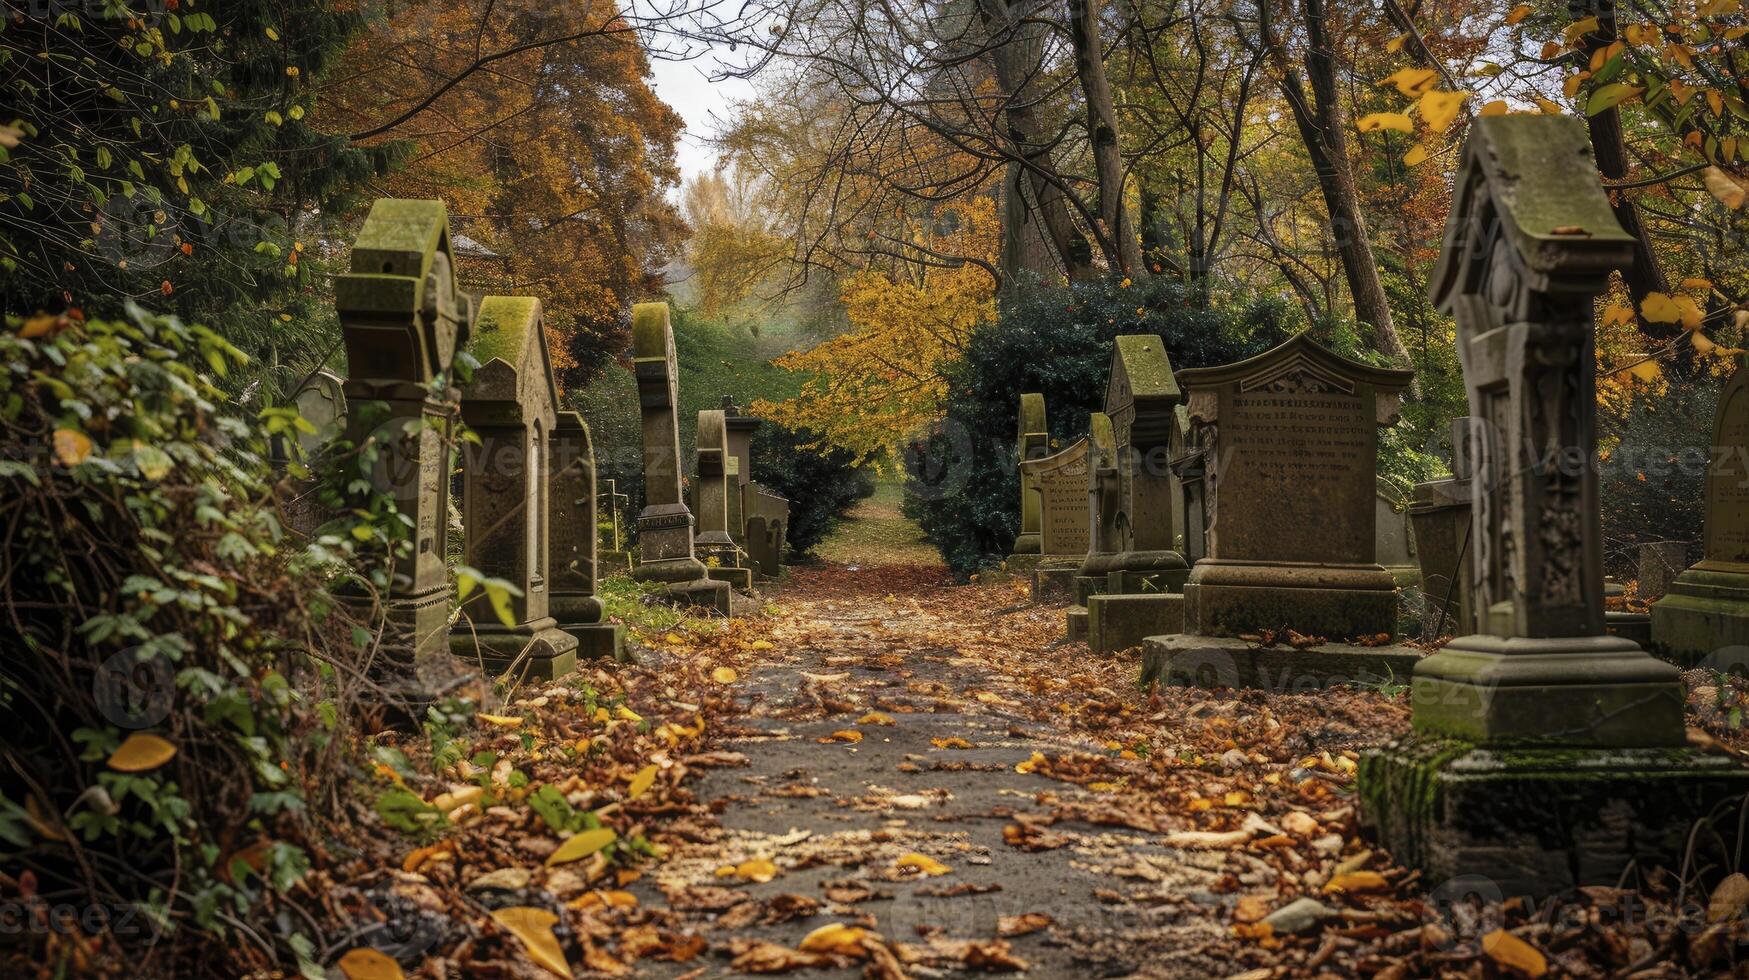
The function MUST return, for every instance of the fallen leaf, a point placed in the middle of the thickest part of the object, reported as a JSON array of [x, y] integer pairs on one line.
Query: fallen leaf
[[365, 963], [836, 938], [756, 870], [760, 645], [1514, 953], [1729, 899], [725, 675], [875, 718], [579, 846], [924, 864], [1357, 881], [141, 753], [535, 928], [1028, 765], [1009, 926], [758, 956], [850, 735], [642, 782], [950, 743], [499, 721], [72, 447]]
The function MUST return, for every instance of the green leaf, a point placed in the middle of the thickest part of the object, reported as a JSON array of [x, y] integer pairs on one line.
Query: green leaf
[[1610, 96]]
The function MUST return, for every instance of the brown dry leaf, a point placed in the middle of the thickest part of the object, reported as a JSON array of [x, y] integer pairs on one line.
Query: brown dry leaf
[[1026, 837], [950, 743], [535, 928], [601, 961], [1514, 954], [757, 956], [1252, 908], [141, 753], [850, 735], [1730, 190], [875, 718], [1355, 882], [365, 963], [1009, 926], [996, 956], [1208, 838], [422, 856], [846, 892]]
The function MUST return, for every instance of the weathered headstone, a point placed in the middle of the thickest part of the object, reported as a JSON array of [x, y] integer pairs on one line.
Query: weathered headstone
[[511, 404], [741, 429], [573, 542], [402, 320], [716, 547], [1660, 563], [1440, 511], [665, 547], [1705, 616], [1057, 485], [1547, 754], [1289, 442], [1102, 510], [1395, 548], [767, 530], [320, 401], [1033, 440]]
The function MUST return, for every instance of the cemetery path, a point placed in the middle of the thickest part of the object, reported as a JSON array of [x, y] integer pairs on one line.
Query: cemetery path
[[921, 763]]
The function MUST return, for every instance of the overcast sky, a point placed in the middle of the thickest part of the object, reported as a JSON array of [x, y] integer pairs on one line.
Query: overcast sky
[[684, 85]]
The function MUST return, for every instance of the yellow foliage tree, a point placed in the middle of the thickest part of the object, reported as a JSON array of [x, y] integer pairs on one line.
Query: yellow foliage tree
[[884, 378]]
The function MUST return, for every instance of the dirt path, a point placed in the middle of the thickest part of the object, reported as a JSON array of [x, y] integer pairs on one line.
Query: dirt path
[[888, 722]]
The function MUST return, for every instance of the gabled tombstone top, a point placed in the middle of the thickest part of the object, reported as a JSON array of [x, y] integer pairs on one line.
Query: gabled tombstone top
[[713, 441], [515, 366], [1141, 387], [1034, 435], [403, 318]]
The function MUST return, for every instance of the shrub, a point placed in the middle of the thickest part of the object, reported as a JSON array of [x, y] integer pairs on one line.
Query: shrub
[[166, 659], [821, 484], [964, 484], [1653, 480]]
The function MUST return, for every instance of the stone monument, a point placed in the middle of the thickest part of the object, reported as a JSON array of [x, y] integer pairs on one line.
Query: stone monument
[[402, 320], [1289, 441], [767, 530], [716, 547], [320, 401], [511, 404], [1395, 549], [741, 429], [1101, 517], [665, 552], [572, 539], [1057, 486], [1546, 753], [1705, 615], [1033, 442]]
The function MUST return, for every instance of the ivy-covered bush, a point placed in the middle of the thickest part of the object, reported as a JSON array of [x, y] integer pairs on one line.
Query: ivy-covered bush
[[964, 483], [167, 667], [821, 484], [1653, 471]]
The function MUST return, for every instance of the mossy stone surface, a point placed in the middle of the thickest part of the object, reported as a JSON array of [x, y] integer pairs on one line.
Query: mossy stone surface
[[1122, 622]]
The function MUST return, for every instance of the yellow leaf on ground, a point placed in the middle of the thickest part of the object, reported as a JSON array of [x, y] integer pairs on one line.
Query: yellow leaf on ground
[[835, 937], [582, 845], [673, 639], [642, 782], [535, 928], [1374, 121], [1358, 881], [1029, 764], [760, 645], [141, 753], [850, 735], [875, 718], [71, 446], [624, 713], [422, 856], [725, 675], [498, 721], [364, 963], [756, 870], [950, 743], [924, 864], [611, 899], [461, 797], [1514, 953]]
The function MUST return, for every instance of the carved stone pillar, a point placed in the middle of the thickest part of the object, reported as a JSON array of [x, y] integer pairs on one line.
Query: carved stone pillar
[[1033, 441]]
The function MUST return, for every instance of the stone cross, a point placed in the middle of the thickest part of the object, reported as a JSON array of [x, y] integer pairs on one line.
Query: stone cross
[[402, 320], [1547, 754], [1705, 617], [1033, 442], [665, 544], [511, 405]]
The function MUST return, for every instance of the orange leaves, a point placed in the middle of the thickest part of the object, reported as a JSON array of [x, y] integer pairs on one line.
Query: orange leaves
[[141, 753]]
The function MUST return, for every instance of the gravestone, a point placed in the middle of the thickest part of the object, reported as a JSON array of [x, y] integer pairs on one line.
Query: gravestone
[[511, 404], [1187, 470], [1440, 511], [737, 502], [665, 546], [572, 539], [767, 530], [1660, 563], [1395, 548], [1102, 527], [1033, 441], [1289, 442], [741, 429], [1546, 754], [1057, 485], [402, 320], [1705, 617], [722, 557], [320, 401]]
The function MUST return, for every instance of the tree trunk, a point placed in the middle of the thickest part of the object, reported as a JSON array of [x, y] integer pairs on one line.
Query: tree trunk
[[1026, 252], [1323, 128], [1124, 250]]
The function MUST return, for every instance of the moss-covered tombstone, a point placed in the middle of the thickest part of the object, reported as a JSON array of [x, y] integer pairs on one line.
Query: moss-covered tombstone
[[1032, 441], [1546, 754]]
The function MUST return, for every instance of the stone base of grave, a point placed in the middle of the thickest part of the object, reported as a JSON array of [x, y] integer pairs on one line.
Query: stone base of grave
[[738, 578], [1222, 661], [701, 593], [1630, 626], [1406, 576], [600, 641], [1339, 602], [1076, 622], [1704, 619], [1581, 690], [1122, 622], [1502, 822], [1086, 587], [1126, 582], [1053, 585], [613, 563], [672, 571], [415, 666], [1022, 563], [537, 651]]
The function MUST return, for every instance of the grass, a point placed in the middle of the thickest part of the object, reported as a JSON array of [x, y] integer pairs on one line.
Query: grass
[[877, 532]]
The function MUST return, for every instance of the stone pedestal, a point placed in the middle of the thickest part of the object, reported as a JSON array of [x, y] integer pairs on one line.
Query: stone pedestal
[[1121, 622], [1053, 584], [1075, 623], [1335, 601], [1547, 754], [1187, 660]]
